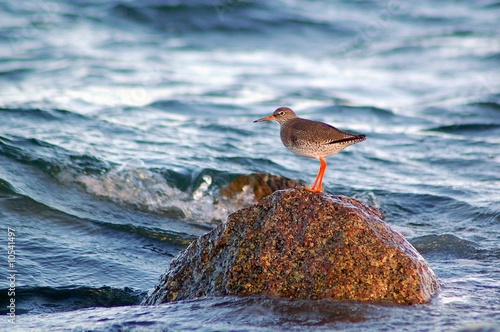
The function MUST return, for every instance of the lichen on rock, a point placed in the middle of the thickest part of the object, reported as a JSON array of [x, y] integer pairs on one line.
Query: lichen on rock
[[298, 244]]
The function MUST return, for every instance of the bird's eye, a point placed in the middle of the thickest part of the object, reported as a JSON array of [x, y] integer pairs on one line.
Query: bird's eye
[[281, 113]]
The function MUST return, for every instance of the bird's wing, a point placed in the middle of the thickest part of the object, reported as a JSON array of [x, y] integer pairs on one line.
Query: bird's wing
[[318, 132]]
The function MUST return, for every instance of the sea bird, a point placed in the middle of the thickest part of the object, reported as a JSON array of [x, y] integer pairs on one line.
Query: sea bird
[[311, 139]]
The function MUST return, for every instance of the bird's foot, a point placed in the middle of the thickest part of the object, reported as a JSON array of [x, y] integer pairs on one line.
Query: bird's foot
[[316, 190]]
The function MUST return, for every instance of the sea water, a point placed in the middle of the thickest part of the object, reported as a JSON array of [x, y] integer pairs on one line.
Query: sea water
[[120, 121]]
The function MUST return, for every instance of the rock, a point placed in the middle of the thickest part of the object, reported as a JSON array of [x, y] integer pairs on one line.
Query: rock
[[298, 244], [261, 185], [246, 190]]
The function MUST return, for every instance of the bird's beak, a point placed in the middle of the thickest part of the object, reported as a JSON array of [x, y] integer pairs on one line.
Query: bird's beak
[[267, 118]]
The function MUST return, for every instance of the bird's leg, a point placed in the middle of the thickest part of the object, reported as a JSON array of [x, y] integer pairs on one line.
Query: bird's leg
[[317, 186], [321, 175]]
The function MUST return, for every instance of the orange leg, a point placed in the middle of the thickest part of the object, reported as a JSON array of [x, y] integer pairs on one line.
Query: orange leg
[[318, 179], [317, 186]]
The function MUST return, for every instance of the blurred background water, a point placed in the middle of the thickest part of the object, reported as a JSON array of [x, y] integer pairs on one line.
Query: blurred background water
[[121, 120]]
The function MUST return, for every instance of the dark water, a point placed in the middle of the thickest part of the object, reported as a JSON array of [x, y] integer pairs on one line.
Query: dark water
[[121, 120]]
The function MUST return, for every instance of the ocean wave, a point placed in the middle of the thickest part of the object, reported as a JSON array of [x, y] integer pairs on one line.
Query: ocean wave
[[362, 113], [50, 158], [185, 17], [150, 190], [469, 129], [133, 185], [188, 196], [485, 105], [222, 17], [446, 244], [48, 114], [38, 300]]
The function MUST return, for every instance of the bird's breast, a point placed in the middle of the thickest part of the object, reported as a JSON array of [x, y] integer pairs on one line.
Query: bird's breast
[[298, 141]]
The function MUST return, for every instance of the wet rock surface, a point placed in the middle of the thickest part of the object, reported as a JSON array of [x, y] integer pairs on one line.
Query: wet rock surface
[[247, 189], [261, 185], [298, 244]]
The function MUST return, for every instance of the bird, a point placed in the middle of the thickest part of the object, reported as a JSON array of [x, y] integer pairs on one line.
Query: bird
[[313, 139]]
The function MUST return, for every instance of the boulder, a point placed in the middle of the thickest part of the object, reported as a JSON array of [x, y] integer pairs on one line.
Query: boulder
[[245, 190], [260, 184], [298, 244]]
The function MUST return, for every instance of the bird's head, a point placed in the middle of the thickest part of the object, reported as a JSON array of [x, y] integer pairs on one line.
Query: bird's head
[[282, 115]]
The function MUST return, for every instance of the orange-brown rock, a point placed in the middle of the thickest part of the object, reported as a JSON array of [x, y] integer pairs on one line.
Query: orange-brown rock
[[246, 190], [261, 185], [299, 244]]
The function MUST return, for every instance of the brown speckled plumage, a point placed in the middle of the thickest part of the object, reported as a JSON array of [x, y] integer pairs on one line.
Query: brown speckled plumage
[[310, 138]]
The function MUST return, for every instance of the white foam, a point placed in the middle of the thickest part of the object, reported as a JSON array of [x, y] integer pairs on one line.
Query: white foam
[[133, 184]]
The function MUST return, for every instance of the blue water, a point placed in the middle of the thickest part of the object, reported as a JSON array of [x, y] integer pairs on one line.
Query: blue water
[[120, 121]]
